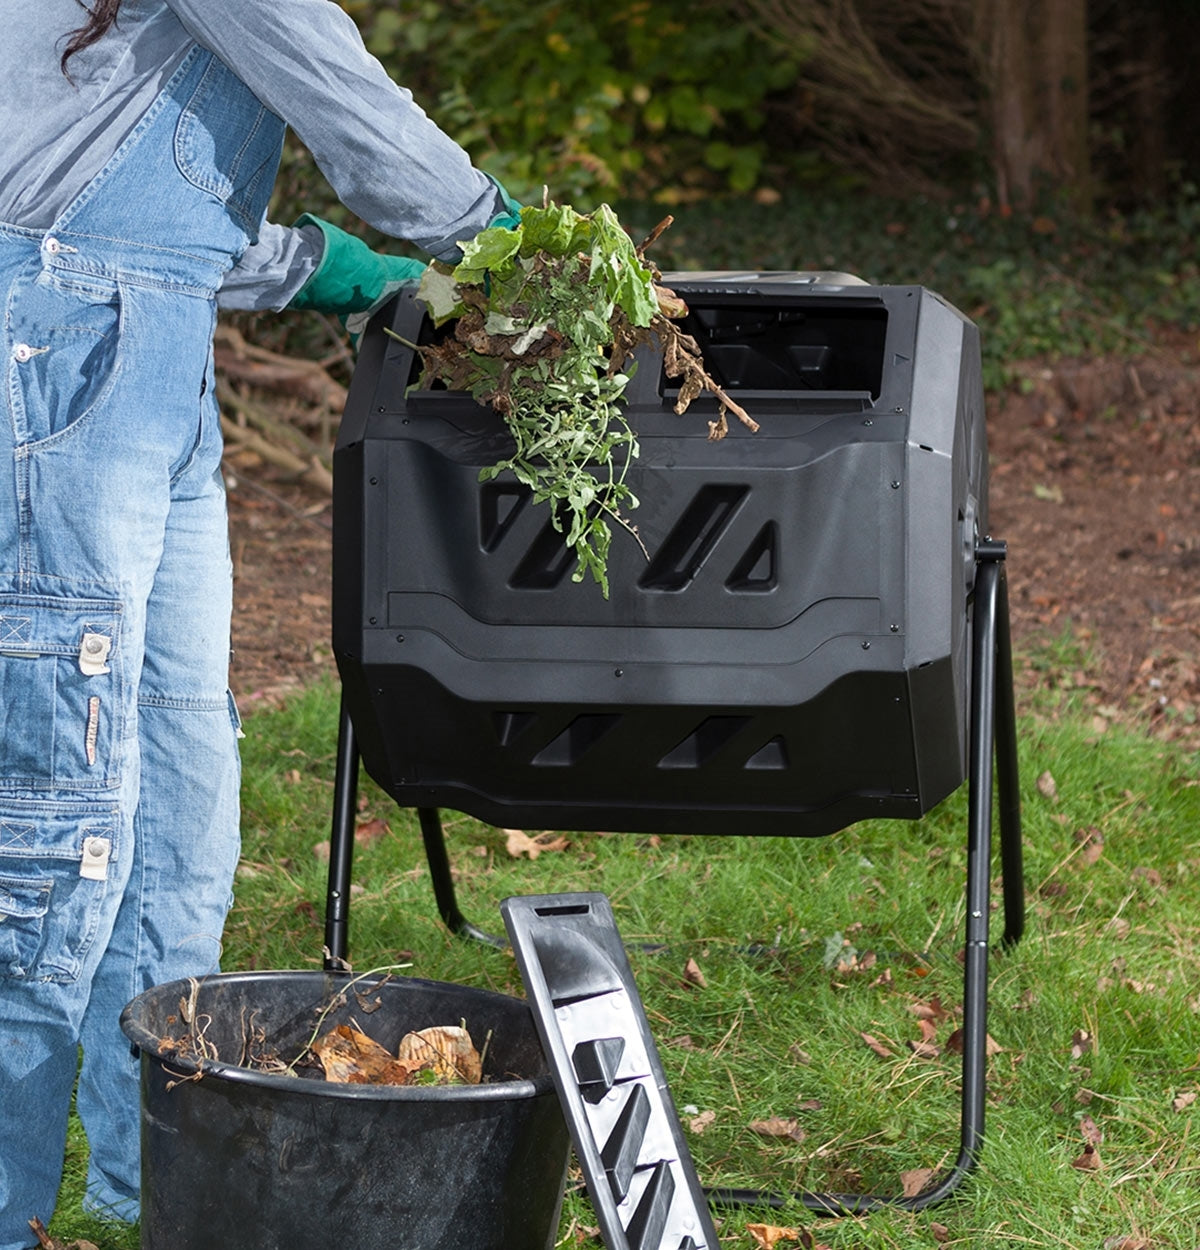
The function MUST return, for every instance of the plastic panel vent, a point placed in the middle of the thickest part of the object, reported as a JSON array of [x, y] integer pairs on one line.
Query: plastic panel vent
[[610, 1081]]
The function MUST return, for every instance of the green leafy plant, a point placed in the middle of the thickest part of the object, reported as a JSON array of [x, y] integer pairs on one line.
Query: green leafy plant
[[547, 318]]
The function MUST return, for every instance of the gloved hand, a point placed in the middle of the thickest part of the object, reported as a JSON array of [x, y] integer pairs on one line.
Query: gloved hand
[[352, 280], [510, 216]]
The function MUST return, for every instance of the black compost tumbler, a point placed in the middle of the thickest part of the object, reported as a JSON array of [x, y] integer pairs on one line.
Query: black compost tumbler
[[794, 654]]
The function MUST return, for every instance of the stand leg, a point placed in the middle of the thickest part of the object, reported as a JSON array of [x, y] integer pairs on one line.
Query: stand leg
[[991, 709], [1007, 774], [341, 845], [443, 882]]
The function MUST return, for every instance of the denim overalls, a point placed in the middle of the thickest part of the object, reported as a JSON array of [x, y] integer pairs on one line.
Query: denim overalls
[[118, 761]]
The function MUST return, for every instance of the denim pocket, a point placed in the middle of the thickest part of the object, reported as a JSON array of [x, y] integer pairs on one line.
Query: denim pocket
[[23, 907], [60, 694], [68, 354], [51, 904], [228, 144]]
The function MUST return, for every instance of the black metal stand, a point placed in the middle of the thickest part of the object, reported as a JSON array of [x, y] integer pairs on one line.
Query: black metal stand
[[992, 771]]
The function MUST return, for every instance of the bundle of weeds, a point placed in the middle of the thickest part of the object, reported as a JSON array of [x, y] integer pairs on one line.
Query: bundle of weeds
[[547, 319]]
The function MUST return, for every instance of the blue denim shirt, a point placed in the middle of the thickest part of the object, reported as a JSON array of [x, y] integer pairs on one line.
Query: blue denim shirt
[[304, 59]]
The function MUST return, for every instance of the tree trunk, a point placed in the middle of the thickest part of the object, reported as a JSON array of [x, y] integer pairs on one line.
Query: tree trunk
[[1033, 55]]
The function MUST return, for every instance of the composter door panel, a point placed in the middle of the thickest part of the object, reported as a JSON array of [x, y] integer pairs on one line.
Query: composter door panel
[[760, 666]]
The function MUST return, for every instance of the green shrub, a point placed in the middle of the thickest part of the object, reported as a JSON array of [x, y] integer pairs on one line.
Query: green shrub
[[590, 98]]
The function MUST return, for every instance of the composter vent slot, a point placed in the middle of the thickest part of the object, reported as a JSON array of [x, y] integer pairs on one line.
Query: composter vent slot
[[694, 535], [576, 740], [545, 564], [500, 503], [700, 745]]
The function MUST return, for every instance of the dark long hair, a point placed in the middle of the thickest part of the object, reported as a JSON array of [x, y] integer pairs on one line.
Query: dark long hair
[[100, 17]]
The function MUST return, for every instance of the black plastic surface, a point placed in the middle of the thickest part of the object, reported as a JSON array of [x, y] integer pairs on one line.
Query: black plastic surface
[[611, 1083], [791, 657], [248, 1160]]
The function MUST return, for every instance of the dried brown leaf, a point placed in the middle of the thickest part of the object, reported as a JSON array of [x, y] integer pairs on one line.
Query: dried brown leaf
[[447, 1051], [1128, 1242], [518, 843], [877, 1046], [1081, 1043], [698, 1123], [913, 1182], [1089, 1161], [46, 1242], [932, 1010], [1182, 1101], [693, 976], [1047, 787], [1092, 841], [811, 1104], [1092, 1132], [349, 1057], [768, 1236], [925, 1050], [777, 1126], [371, 831], [941, 1233], [799, 1055], [955, 1043]]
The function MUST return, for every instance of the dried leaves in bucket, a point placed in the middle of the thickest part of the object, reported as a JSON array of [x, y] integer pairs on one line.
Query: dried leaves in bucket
[[547, 318], [442, 1055]]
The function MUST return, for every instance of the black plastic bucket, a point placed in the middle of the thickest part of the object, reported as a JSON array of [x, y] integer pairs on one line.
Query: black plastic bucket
[[234, 1157]]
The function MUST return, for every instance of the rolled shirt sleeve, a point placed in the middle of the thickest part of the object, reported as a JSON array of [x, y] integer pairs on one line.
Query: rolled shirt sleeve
[[386, 160]]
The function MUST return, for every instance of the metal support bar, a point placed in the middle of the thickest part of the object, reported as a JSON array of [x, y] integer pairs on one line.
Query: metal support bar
[[341, 845], [992, 766], [443, 882], [991, 659]]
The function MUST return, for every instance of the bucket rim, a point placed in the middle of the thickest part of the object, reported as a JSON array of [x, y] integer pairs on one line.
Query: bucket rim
[[189, 1068]]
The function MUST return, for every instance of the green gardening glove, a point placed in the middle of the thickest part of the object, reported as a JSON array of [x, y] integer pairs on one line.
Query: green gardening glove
[[352, 280], [510, 218]]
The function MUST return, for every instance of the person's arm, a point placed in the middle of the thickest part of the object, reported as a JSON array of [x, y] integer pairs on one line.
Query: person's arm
[[273, 269], [385, 159]]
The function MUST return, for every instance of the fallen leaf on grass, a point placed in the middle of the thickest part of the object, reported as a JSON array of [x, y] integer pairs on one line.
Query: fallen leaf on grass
[[913, 1182], [815, 1104], [767, 1236], [1092, 841], [1081, 1042], [518, 843], [1128, 1242], [1183, 1101], [46, 1242], [799, 1055], [1089, 1161], [955, 1043], [777, 1126], [693, 976], [49, 1243], [1047, 787], [371, 831], [932, 1010], [1091, 1131], [925, 1050], [877, 1046], [940, 1232], [698, 1123]]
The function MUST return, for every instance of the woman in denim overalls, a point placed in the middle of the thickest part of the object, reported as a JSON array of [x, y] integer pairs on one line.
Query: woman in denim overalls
[[118, 761]]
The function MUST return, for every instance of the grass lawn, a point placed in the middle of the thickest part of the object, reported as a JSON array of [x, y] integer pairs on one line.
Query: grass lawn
[[804, 945]]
